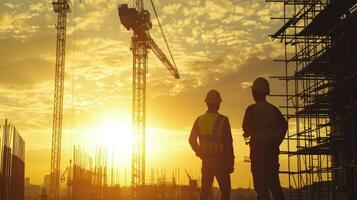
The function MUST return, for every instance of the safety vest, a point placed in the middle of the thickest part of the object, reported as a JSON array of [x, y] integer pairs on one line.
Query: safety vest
[[267, 123], [211, 139]]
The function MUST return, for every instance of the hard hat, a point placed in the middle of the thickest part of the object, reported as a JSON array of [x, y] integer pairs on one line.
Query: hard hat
[[213, 96], [261, 85]]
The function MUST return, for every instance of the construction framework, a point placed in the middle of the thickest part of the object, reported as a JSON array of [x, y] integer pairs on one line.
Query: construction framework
[[12, 163], [320, 77]]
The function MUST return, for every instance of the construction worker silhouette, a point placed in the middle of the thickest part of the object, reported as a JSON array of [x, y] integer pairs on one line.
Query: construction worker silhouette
[[266, 128], [214, 147]]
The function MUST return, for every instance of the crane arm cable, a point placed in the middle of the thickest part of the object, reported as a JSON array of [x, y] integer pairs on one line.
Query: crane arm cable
[[73, 70], [162, 32]]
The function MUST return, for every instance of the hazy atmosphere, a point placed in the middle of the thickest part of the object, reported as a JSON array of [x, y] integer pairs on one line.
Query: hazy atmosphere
[[216, 44]]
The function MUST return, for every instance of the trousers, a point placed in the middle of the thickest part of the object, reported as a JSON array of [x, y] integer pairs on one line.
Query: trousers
[[224, 182], [265, 171]]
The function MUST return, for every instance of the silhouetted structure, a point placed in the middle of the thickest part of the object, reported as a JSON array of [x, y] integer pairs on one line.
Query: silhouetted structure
[[61, 8], [90, 179], [138, 20], [96, 179], [32, 191], [12, 165], [320, 38]]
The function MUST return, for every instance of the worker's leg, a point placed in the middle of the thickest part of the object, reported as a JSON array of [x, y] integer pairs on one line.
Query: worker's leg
[[259, 174], [206, 184], [275, 187], [224, 182], [273, 173], [260, 185]]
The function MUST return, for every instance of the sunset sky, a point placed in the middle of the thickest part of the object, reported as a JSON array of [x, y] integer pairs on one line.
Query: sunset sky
[[217, 44]]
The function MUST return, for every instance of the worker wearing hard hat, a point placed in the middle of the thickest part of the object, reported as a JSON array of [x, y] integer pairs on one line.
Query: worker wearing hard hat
[[214, 147], [265, 127]]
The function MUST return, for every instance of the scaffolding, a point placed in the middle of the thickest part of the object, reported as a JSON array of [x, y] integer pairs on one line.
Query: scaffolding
[[320, 59]]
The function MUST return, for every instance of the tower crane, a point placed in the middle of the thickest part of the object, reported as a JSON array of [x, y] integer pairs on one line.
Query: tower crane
[[138, 20], [61, 7]]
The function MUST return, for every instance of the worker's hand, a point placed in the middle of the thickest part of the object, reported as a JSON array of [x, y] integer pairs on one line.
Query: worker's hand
[[246, 135], [247, 140]]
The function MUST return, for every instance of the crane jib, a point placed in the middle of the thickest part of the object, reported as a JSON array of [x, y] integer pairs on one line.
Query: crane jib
[[139, 22]]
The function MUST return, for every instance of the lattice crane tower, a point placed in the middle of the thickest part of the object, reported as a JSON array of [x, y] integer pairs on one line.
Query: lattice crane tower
[[138, 20], [61, 7]]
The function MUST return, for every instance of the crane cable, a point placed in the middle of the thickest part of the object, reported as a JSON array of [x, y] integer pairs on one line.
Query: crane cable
[[73, 73], [162, 32], [167, 45]]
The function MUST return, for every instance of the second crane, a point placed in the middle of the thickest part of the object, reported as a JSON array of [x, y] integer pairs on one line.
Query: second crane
[[138, 20]]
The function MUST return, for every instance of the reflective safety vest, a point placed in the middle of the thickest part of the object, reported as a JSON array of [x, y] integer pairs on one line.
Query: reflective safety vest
[[211, 138], [268, 127]]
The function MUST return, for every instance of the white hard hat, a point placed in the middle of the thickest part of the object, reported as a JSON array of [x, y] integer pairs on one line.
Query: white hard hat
[[261, 85], [213, 96]]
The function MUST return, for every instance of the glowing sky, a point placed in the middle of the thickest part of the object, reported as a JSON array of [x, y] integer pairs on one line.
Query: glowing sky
[[221, 44]]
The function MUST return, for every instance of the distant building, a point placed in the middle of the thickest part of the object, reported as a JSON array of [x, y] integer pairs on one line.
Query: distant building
[[46, 184], [32, 191], [27, 181]]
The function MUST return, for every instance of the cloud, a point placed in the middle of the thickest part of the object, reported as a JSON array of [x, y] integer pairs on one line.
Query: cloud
[[246, 85], [26, 72], [206, 46], [91, 20], [27, 63], [6, 22], [215, 10], [171, 9], [9, 5], [37, 7]]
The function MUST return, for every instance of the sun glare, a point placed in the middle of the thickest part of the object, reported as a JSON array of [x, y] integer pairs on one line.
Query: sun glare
[[115, 135]]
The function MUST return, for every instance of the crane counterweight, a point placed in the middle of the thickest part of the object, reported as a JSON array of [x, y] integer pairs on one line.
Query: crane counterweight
[[132, 19]]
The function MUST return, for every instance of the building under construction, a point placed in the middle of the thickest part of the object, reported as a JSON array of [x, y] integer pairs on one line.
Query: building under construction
[[12, 163], [320, 40], [99, 179]]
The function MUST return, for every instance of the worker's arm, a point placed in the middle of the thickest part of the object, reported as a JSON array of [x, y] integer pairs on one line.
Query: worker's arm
[[229, 144], [283, 125], [193, 139], [248, 123]]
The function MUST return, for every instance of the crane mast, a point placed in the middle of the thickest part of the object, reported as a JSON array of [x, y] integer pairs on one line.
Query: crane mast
[[140, 60], [138, 20], [139, 48], [61, 7]]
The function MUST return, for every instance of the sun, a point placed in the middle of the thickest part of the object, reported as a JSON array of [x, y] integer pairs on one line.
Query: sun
[[115, 135]]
